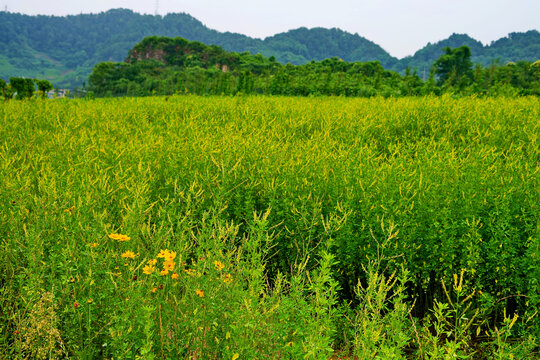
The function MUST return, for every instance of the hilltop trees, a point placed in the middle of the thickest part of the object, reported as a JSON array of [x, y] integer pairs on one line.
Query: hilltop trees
[[454, 68]]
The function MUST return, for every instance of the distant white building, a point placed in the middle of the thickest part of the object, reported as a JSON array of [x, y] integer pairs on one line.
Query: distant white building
[[57, 93]]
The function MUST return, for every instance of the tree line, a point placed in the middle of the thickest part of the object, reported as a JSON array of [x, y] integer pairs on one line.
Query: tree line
[[165, 66], [24, 88]]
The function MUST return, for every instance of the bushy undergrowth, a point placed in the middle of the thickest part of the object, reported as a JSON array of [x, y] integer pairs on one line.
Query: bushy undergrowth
[[256, 227]]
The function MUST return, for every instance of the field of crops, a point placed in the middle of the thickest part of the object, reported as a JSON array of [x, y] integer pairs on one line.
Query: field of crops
[[269, 228]]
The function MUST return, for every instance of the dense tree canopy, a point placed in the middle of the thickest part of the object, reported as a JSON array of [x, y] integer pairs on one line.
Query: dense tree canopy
[[455, 66], [167, 66], [23, 87], [44, 86]]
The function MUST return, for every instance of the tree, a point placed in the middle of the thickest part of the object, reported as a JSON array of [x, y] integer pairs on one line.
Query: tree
[[454, 67], [3, 87], [44, 86], [24, 87]]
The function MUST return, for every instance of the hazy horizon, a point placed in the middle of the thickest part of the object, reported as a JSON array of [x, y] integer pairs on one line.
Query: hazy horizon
[[401, 29]]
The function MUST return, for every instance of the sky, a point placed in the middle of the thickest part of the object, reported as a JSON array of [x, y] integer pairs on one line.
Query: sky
[[400, 26]]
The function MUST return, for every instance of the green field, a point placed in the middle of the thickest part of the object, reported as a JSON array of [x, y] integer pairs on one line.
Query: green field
[[269, 227]]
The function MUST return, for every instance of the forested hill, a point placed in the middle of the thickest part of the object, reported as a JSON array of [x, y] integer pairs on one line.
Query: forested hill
[[514, 47], [65, 49]]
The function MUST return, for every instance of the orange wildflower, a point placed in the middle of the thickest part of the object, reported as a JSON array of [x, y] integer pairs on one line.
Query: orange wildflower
[[119, 237], [148, 269], [174, 276], [129, 255], [170, 256], [227, 279], [163, 253], [169, 265], [219, 265], [199, 292]]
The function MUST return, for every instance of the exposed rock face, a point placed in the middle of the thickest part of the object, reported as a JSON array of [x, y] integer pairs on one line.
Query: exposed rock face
[[148, 54]]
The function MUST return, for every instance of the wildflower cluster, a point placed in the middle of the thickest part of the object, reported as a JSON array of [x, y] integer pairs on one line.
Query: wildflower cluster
[[119, 237], [168, 261], [129, 255], [150, 266], [169, 264]]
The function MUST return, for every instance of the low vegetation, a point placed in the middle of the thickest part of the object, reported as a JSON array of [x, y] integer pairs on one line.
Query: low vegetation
[[257, 227]]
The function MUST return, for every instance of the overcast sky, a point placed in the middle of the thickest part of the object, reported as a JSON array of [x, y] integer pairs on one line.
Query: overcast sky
[[400, 26]]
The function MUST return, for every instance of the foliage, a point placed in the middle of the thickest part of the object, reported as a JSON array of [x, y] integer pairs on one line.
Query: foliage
[[165, 66], [380, 323], [24, 88], [454, 67], [43, 86], [65, 49], [245, 227]]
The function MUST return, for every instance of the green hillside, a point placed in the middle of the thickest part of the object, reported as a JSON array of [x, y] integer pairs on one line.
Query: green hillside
[[514, 47], [65, 49]]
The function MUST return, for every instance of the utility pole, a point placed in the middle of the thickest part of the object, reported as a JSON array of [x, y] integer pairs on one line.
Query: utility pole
[[157, 8]]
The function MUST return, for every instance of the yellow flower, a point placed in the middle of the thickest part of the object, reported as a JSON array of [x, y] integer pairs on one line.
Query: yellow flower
[[169, 265], [164, 272], [219, 265], [93, 245], [148, 269], [199, 292], [154, 289], [228, 279], [89, 301], [174, 276], [129, 255], [163, 253], [152, 262], [170, 256], [119, 237]]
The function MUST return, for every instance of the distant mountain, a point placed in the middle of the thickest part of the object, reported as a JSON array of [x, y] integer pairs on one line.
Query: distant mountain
[[514, 47], [65, 49], [302, 45]]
